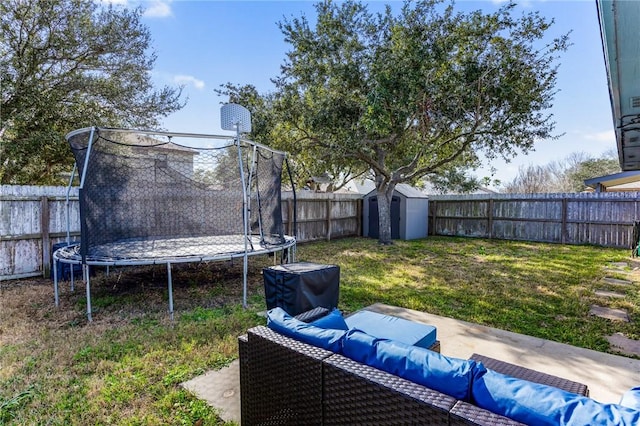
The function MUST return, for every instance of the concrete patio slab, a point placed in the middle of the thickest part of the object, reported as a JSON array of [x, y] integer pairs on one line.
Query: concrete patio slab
[[607, 376], [221, 390]]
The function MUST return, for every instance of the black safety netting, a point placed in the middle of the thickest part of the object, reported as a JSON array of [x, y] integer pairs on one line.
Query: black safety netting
[[151, 195]]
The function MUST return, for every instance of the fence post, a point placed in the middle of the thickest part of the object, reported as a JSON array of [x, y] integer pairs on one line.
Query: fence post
[[291, 222], [359, 213], [433, 212], [328, 209], [563, 229], [490, 218], [46, 242]]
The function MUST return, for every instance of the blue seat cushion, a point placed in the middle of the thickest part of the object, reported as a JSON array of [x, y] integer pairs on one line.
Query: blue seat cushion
[[536, 404], [333, 320], [631, 398], [281, 322], [393, 328], [451, 376]]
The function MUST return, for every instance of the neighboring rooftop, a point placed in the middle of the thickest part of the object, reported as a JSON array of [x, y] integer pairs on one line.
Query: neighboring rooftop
[[624, 181]]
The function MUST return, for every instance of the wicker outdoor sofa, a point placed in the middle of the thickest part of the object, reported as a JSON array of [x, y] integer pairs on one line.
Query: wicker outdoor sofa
[[369, 368], [286, 381]]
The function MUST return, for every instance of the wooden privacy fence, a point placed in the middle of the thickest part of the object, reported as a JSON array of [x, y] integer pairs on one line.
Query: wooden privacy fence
[[604, 219], [323, 216], [34, 218]]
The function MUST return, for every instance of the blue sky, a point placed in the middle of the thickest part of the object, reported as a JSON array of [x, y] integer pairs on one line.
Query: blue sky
[[203, 44]]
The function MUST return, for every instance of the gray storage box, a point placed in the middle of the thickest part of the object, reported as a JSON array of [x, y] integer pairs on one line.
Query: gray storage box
[[299, 287]]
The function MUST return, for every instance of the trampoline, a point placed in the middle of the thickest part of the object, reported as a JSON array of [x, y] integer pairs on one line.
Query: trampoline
[[149, 197]]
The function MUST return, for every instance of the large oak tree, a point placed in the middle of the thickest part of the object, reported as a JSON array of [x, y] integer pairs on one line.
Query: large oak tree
[[67, 64], [425, 91]]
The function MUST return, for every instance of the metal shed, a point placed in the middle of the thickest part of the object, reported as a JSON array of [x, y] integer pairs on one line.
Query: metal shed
[[409, 213]]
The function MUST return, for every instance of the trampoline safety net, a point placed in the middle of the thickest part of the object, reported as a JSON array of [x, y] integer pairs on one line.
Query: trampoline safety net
[[166, 196]]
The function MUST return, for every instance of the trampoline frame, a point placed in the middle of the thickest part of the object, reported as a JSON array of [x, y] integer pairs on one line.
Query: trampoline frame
[[69, 254]]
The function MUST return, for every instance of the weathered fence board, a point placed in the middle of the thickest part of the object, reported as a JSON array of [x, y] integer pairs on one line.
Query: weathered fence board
[[34, 218], [323, 216], [604, 219]]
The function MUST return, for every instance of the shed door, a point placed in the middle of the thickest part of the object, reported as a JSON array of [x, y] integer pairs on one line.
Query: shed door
[[374, 223]]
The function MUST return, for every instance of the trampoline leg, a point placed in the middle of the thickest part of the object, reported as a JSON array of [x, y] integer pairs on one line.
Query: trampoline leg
[[85, 272], [55, 282], [244, 281], [73, 287], [170, 286]]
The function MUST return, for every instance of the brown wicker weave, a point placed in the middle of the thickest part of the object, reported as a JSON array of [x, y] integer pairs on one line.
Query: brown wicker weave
[[245, 389], [284, 380], [532, 375], [355, 393], [313, 314], [464, 413]]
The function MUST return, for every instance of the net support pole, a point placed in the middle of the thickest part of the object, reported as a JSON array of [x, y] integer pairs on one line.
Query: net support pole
[[55, 281], [170, 287], [291, 255], [85, 267], [249, 181], [86, 158], [85, 272], [245, 218], [55, 260], [238, 118], [66, 203]]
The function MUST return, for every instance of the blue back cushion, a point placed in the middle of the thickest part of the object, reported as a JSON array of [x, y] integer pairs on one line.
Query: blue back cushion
[[537, 404], [631, 398], [332, 320], [393, 328], [280, 321], [451, 376]]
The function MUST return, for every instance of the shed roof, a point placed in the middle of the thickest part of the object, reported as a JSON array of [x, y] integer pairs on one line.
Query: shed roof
[[617, 179], [405, 190]]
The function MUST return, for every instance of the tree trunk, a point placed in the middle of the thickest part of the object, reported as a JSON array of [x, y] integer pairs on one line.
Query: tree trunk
[[384, 193]]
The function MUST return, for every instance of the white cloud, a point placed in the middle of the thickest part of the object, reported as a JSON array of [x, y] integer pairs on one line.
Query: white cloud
[[158, 9], [116, 2], [188, 79], [604, 136], [523, 3]]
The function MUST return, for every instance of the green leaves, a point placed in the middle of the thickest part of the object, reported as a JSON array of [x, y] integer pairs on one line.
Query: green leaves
[[428, 83], [424, 91], [67, 64]]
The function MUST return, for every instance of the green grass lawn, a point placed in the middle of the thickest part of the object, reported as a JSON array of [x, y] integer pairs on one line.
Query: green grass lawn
[[126, 366]]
